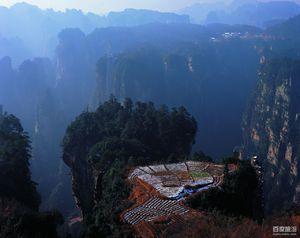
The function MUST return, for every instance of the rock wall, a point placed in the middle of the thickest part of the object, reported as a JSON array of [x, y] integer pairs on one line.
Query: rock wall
[[271, 131]]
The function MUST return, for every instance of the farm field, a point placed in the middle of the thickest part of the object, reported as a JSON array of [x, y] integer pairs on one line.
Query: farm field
[[161, 189], [171, 179]]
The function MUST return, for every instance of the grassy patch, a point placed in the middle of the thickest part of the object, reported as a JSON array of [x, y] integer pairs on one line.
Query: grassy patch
[[199, 175]]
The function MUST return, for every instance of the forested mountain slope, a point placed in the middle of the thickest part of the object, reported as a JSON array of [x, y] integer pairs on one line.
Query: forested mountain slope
[[19, 200], [102, 147]]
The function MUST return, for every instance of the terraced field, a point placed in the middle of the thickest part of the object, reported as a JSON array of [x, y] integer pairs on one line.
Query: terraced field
[[171, 179], [172, 183], [152, 209]]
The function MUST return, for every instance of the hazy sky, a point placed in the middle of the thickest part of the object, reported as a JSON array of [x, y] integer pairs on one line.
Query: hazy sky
[[101, 6]]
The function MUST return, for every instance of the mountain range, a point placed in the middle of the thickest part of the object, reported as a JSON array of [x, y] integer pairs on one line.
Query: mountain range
[[35, 34], [257, 13], [140, 104]]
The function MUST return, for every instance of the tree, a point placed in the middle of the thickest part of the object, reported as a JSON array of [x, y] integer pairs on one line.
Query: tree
[[19, 200], [15, 177], [237, 195], [111, 140]]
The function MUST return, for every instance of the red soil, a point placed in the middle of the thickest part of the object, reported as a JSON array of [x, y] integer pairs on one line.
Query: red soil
[[142, 192], [196, 224]]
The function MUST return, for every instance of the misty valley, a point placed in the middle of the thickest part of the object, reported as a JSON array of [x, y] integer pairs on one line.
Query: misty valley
[[145, 123]]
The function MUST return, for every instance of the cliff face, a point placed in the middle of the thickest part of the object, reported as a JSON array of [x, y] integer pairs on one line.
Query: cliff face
[[42, 113], [83, 183], [24, 86], [271, 131], [211, 80]]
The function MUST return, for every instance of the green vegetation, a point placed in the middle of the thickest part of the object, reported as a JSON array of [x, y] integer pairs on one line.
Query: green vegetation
[[111, 140], [101, 146], [19, 200], [238, 196], [15, 180], [199, 175], [201, 157]]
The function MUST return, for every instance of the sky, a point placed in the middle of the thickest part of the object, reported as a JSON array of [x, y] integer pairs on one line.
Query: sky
[[103, 6]]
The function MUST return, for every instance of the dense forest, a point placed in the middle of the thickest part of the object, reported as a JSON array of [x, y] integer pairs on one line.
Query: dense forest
[[19, 200], [100, 147], [240, 194]]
